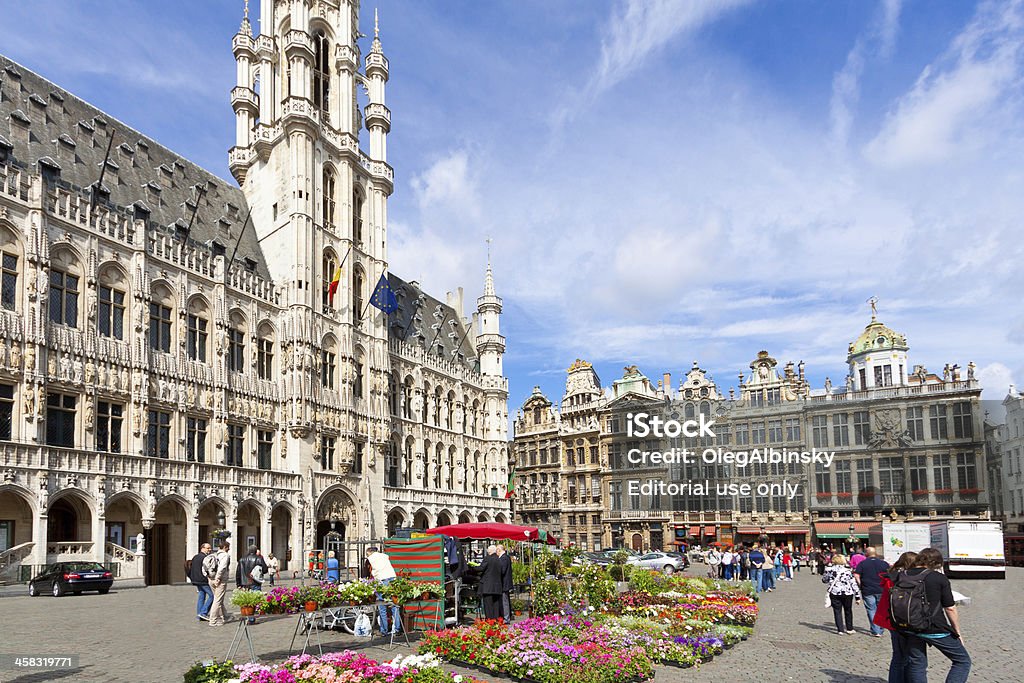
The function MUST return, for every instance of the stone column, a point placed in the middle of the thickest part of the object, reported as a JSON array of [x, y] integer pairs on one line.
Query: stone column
[[39, 540], [99, 537]]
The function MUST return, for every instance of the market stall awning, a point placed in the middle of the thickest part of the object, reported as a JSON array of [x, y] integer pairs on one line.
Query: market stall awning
[[842, 529], [709, 531], [695, 531], [493, 531]]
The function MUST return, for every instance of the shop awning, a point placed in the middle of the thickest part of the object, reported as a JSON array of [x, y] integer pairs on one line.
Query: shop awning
[[770, 529], [709, 531], [842, 529], [695, 531]]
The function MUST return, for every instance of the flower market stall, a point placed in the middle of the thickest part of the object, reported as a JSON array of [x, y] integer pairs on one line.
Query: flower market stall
[[584, 635]]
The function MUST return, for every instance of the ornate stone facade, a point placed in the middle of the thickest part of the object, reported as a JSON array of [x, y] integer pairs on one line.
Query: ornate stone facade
[[178, 354]]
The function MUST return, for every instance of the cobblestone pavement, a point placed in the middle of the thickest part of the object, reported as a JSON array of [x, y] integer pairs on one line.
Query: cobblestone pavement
[[150, 635]]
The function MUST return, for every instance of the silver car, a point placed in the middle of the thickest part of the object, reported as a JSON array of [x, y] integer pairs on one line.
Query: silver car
[[660, 561]]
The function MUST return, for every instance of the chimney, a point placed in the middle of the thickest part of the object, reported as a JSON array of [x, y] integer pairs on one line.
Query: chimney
[[666, 382]]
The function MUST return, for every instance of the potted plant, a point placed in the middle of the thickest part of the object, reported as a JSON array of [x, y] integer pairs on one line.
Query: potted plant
[[518, 606], [248, 601], [429, 589], [400, 590], [311, 597]]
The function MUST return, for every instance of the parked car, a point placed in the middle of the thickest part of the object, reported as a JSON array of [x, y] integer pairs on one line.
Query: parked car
[[71, 577], [660, 561], [596, 558], [681, 556]]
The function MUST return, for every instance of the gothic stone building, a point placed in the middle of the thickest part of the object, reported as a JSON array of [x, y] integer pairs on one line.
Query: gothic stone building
[[908, 445], [172, 356]]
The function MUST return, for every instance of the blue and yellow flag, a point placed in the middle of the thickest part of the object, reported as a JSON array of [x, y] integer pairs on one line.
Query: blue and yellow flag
[[384, 297]]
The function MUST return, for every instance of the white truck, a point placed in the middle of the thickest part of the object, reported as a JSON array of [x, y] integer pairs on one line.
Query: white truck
[[971, 548]]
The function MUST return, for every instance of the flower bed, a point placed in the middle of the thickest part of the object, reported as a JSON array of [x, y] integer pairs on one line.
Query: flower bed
[[680, 622], [336, 667]]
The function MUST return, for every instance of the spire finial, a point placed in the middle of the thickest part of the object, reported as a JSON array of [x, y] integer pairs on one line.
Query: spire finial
[[246, 29], [376, 25], [488, 240], [873, 301], [489, 278]]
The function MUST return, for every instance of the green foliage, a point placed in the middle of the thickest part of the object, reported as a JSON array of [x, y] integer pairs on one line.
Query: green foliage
[[595, 584], [569, 556], [620, 572], [647, 581], [241, 597], [548, 597], [520, 573], [211, 672], [620, 557]]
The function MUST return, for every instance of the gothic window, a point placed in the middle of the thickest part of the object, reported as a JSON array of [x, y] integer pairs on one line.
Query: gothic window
[[236, 344], [160, 319], [111, 312], [327, 368], [327, 446], [321, 71], [158, 434], [235, 445], [64, 298], [11, 253], [357, 293], [264, 448], [6, 411], [357, 218], [357, 381], [198, 335], [109, 420], [60, 419], [391, 466], [330, 288], [195, 445], [328, 200], [265, 353]]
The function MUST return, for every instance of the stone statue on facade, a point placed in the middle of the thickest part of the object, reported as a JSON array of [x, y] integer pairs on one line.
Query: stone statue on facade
[[30, 357], [140, 544], [30, 401], [828, 385], [79, 371], [90, 372], [51, 364], [65, 367], [16, 356]]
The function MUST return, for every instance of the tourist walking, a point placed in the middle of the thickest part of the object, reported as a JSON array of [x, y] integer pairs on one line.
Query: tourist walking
[[383, 572], [787, 565], [490, 583], [768, 572], [822, 558], [756, 561], [273, 568], [869, 577], [204, 598], [855, 559], [898, 661], [778, 562], [942, 630], [217, 573], [250, 570], [812, 560], [714, 560], [506, 583], [842, 590]]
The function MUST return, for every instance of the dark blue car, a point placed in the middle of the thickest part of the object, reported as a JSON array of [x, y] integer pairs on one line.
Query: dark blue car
[[71, 577]]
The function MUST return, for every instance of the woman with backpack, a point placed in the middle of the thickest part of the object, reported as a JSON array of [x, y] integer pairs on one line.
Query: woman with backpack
[[897, 664], [842, 590]]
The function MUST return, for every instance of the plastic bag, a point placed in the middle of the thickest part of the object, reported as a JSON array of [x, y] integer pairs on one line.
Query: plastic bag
[[828, 600], [362, 627]]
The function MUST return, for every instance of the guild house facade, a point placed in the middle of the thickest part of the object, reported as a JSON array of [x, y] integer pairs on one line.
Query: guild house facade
[[905, 444], [179, 354]]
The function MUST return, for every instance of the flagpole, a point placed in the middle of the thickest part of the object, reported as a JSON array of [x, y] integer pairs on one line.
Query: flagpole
[[438, 331], [417, 302], [340, 265], [463, 340]]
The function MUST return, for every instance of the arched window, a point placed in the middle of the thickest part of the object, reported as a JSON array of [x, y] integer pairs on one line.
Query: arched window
[[357, 293], [197, 344], [327, 363], [357, 381], [321, 71], [65, 287], [113, 295], [357, 217], [160, 310], [10, 253], [330, 266], [265, 352], [328, 198], [236, 343]]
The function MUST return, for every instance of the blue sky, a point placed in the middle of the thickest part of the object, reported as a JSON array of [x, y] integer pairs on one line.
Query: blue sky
[[664, 181]]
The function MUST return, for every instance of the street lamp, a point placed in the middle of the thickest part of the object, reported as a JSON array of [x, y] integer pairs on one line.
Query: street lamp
[[852, 540], [221, 520]]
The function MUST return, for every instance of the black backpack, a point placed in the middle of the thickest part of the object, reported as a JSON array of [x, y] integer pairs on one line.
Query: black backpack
[[909, 609]]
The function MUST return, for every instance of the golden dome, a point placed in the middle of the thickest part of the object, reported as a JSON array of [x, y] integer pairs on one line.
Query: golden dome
[[878, 337]]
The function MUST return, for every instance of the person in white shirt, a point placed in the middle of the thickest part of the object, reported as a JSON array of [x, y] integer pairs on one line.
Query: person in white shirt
[[382, 571], [727, 558], [714, 560], [273, 568], [219, 584]]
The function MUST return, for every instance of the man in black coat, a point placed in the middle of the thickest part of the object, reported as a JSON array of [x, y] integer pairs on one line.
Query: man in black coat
[[506, 583], [248, 576], [490, 583]]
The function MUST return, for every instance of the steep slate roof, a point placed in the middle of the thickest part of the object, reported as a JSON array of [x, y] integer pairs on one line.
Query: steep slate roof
[[416, 316], [68, 137]]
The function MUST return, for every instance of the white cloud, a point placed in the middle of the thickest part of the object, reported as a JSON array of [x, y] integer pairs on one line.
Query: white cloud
[[953, 105], [636, 30], [879, 41], [996, 378]]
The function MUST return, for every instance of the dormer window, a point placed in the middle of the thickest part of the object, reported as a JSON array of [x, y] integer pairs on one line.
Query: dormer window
[[218, 248]]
